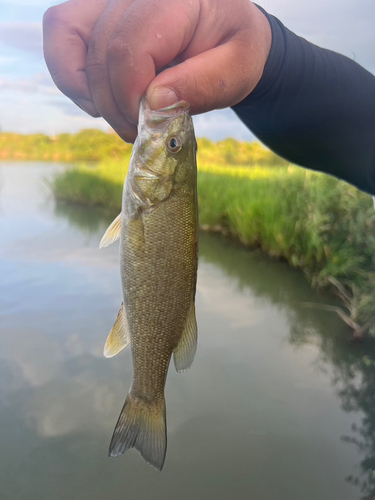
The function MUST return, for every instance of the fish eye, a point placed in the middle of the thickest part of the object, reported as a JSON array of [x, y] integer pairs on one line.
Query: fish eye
[[174, 144]]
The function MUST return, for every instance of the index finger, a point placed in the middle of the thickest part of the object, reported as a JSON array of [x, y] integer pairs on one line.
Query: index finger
[[148, 36], [66, 30]]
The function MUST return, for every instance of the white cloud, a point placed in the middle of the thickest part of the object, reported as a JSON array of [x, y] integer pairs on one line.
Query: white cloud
[[5, 60], [238, 310], [33, 112], [68, 108], [221, 124], [343, 26], [23, 85], [35, 3], [26, 36], [40, 82]]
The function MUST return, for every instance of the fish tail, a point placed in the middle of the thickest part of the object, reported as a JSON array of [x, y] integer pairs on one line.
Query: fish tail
[[141, 425]]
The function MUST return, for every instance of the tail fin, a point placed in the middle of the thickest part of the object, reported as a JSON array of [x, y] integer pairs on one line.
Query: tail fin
[[141, 425]]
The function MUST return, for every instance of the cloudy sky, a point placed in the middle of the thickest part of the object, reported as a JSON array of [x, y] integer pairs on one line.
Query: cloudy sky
[[29, 101]]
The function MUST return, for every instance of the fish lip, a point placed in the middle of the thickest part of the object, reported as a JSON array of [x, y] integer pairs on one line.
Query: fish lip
[[183, 105], [159, 116]]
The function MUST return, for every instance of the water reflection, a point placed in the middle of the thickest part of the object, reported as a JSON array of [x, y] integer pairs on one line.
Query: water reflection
[[88, 220], [279, 404], [352, 364]]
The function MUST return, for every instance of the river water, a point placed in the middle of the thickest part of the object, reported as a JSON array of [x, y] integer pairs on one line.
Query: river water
[[277, 405]]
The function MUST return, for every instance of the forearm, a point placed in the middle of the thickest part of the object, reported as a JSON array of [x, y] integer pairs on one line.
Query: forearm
[[315, 108]]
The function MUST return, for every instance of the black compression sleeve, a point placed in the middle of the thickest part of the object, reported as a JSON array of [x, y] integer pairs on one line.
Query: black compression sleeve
[[314, 107]]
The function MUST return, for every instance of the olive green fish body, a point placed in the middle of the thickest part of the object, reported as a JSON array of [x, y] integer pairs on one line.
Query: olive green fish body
[[158, 263], [158, 258]]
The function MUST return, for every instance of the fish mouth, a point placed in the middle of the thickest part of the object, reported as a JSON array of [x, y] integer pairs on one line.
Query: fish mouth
[[183, 105], [158, 116]]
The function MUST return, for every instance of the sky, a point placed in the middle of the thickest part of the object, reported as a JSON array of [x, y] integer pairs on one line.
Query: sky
[[30, 102]]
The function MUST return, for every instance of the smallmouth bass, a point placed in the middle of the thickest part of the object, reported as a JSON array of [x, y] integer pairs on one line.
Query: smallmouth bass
[[158, 231]]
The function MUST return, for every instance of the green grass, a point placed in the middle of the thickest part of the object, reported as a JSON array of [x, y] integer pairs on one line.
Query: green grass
[[87, 145], [95, 145], [92, 186], [318, 224]]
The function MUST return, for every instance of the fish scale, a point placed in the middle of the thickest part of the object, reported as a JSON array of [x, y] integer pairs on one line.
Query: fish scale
[[158, 233]]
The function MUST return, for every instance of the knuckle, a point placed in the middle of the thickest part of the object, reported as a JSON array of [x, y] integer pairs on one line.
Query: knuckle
[[95, 59], [93, 63], [126, 131], [114, 47], [118, 48], [52, 16], [125, 135], [95, 39], [95, 69], [63, 83]]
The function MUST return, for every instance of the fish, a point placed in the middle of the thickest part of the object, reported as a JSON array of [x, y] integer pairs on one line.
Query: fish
[[158, 232]]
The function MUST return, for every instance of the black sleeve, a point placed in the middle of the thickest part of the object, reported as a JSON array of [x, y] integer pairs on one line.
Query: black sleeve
[[314, 107]]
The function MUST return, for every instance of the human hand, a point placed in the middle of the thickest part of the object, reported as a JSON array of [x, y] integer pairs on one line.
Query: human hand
[[106, 54]]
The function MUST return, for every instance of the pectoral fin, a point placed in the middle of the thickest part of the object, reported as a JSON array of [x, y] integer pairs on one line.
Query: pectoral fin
[[112, 234], [184, 353], [118, 337]]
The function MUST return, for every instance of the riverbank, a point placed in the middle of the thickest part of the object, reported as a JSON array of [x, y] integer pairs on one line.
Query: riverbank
[[315, 222], [95, 145]]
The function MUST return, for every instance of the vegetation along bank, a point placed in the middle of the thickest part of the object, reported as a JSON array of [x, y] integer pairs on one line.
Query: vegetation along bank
[[318, 224]]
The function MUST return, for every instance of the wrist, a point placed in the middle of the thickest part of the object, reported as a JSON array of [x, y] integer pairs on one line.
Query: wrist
[[261, 36]]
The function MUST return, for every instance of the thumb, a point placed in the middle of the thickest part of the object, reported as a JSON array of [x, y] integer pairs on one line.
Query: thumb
[[161, 96], [217, 78]]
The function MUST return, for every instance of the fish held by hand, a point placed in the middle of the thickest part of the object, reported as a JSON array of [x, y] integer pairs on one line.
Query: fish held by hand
[[158, 231]]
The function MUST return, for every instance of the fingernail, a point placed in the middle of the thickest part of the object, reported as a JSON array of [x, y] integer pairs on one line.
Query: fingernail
[[88, 107], [161, 97]]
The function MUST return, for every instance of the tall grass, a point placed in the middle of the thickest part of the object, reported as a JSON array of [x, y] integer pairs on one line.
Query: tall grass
[[95, 145], [318, 224], [92, 185]]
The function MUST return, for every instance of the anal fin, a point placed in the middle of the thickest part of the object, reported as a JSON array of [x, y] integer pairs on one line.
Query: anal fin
[[184, 353], [118, 337], [112, 234]]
